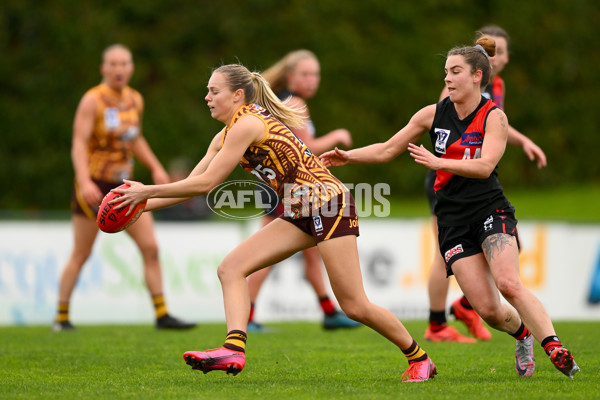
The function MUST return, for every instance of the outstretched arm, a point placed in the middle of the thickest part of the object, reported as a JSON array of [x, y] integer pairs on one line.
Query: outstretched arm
[[387, 151], [246, 131]]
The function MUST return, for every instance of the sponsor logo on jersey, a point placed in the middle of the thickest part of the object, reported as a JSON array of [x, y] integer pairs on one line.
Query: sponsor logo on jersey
[[111, 118], [442, 138], [453, 251], [471, 139], [318, 224]]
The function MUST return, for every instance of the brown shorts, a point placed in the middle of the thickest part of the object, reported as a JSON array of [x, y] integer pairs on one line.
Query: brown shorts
[[79, 206], [323, 227]]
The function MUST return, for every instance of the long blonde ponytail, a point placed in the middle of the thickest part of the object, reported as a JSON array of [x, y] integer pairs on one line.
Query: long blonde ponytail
[[256, 90], [265, 97]]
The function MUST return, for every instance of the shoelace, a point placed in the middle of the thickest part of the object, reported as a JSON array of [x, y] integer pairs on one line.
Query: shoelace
[[412, 370]]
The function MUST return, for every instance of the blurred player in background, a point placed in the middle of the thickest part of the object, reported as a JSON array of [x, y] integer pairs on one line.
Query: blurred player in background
[[106, 136], [295, 78], [438, 329]]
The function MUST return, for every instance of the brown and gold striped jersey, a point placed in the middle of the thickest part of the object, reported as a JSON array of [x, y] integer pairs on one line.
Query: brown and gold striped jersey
[[117, 124], [286, 164]]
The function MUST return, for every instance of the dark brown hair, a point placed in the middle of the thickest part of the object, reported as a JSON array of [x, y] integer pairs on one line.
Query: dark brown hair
[[478, 56], [493, 30]]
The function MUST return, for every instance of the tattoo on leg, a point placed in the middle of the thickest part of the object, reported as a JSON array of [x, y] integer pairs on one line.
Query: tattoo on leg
[[495, 244]]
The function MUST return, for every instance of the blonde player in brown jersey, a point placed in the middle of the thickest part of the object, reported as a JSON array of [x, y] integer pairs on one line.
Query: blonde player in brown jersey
[[296, 77], [106, 135], [319, 210]]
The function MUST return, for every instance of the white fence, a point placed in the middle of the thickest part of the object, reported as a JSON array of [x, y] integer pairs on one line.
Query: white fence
[[559, 263]]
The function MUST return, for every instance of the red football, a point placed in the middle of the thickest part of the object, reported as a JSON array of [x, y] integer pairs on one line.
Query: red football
[[112, 220]]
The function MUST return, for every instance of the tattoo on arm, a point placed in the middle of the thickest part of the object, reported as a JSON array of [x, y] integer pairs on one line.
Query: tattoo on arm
[[502, 119], [495, 244]]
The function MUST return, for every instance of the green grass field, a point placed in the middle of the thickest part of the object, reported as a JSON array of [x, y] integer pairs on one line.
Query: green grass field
[[576, 204], [297, 361], [300, 360]]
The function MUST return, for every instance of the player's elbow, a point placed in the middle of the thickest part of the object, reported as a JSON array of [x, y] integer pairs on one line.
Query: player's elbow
[[388, 154], [196, 186], [207, 186], [485, 170]]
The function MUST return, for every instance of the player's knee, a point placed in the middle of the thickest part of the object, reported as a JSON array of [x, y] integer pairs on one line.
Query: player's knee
[[149, 251], [492, 315], [79, 258], [509, 288], [227, 272], [354, 309]]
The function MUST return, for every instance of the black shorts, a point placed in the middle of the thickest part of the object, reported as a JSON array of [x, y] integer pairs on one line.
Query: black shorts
[[323, 227], [79, 206], [462, 241], [429, 182]]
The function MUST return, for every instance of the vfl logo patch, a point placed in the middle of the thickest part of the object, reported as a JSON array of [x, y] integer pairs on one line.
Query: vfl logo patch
[[453, 251], [471, 139], [442, 138], [318, 224]]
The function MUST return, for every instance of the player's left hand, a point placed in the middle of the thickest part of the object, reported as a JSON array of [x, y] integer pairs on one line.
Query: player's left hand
[[423, 156], [136, 193]]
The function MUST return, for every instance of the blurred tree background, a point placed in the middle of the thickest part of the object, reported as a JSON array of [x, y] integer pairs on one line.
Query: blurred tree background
[[381, 61]]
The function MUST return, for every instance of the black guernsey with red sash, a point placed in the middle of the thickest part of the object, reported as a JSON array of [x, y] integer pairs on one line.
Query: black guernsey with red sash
[[463, 200]]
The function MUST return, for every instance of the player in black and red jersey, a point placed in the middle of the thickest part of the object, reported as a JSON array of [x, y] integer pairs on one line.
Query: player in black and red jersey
[[477, 225], [437, 285]]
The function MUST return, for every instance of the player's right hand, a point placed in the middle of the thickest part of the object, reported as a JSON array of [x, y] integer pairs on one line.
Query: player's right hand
[[335, 158]]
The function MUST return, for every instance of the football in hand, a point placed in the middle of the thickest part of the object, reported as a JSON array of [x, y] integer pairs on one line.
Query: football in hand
[[111, 220]]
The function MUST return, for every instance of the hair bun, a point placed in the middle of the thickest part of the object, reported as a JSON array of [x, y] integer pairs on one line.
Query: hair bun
[[488, 44]]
